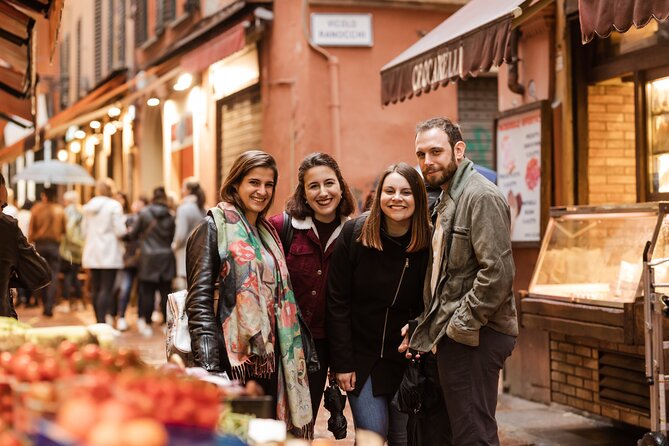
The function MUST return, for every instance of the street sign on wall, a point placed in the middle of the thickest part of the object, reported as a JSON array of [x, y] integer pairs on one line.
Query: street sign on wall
[[341, 29]]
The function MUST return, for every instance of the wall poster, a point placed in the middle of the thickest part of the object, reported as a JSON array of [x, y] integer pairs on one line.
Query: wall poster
[[522, 143]]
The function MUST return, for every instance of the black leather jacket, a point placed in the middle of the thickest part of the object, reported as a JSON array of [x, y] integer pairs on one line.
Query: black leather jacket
[[20, 265], [205, 323]]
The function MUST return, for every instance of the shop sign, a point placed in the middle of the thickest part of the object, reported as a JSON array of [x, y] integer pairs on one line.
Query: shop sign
[[519, 150], [341, 29], [444, 65]]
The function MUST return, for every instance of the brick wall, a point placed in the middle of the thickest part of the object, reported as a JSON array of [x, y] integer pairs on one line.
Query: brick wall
[[611, 144], [575, 377]]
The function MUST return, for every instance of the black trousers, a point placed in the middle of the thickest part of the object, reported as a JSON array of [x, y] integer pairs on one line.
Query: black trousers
[[102, 288], [317, 380], [147, 291], [49, 250], [469, 379]]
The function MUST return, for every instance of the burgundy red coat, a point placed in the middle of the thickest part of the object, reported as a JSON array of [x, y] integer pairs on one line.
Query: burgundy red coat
[[308, 268]]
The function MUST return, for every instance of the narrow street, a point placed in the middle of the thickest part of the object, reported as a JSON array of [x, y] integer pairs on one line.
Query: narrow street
[[521, 422]]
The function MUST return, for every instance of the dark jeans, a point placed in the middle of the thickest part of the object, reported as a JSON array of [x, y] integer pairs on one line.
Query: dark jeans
[[102, 287], [469, 379], [70, 279], [49, 250], [147, 291], [126, 278], [317, 380]]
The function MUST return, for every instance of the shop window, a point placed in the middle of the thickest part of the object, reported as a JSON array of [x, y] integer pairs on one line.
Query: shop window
[[632, 40], [657, 100]]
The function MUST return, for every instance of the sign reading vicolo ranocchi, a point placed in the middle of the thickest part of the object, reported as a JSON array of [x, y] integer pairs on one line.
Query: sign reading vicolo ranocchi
[[341, 29]]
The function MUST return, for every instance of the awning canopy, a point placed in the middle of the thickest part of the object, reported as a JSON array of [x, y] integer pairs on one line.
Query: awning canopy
[[470, 41], [602, 17]]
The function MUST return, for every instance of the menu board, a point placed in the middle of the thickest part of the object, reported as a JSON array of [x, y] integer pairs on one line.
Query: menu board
[[518, 151]]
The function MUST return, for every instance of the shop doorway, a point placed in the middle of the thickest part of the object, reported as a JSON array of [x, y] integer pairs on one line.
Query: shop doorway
[[151, 151], [239, 128]]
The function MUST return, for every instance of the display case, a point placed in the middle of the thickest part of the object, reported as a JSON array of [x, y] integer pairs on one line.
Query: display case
[[587, 279]]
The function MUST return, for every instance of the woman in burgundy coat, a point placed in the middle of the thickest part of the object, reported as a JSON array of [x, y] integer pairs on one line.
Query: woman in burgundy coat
[[316, 213]]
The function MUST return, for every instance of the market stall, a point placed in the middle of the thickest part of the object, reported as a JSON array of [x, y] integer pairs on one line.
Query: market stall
[[72, 386], [587, 292]]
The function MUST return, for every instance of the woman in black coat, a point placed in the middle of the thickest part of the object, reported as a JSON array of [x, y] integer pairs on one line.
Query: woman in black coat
[[375, 287], [155, 231]]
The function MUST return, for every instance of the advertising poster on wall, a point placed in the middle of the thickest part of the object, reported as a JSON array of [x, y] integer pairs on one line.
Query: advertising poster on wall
[[519, 172]]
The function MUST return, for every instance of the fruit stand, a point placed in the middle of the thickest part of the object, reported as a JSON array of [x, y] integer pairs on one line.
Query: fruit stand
[[71, 386]]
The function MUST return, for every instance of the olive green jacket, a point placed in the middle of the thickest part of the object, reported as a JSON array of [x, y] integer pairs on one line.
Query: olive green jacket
[[475, 284]]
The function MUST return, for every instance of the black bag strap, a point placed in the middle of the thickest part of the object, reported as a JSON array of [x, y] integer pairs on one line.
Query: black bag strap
[[286, 234]]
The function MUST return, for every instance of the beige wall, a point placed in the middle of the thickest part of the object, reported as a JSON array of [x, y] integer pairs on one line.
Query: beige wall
[[611, 144]]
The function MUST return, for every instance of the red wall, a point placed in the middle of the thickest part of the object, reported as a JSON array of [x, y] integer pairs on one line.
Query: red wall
[[296, 97]]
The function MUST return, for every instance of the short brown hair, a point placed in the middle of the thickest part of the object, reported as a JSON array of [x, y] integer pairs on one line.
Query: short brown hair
[[244, 163], [297, 205], [370, 235], [105, 187], [449, 127]]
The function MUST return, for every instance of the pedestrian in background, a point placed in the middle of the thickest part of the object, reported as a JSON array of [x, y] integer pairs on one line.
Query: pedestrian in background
[[316, 212], [20, 265], [374, 289], [126, 277], [253, 332], [470, 313], [154, 230], [25, 296], [189, 214], [11, 208], [103, 250], [71, 248], [47, 227]]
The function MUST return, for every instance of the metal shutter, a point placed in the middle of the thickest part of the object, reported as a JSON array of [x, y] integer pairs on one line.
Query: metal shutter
[[241, 126], [477, 106]]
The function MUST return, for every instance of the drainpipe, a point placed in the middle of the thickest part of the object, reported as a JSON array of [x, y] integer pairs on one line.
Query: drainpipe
[[513, 83], [333, 68]]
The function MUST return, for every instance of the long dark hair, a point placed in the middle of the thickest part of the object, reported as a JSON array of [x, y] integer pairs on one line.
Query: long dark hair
[[192, 186], [370, 235], [244, 163], [297, 205]]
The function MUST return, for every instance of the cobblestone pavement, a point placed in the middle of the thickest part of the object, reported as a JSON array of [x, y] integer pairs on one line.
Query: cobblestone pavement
[[521, 422]]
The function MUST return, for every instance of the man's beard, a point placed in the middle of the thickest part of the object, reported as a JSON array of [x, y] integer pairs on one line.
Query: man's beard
[[446, 175]]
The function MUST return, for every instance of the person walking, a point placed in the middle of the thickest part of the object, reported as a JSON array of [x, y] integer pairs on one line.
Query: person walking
[[189, 214], [253, 333], [470, 314], [71, 248], [20, 264], [47, 227], [154, 229], [374, 289], [103, 251], [315, 215]]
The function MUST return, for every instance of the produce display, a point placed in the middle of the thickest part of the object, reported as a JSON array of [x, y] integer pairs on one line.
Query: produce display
[[73, 387]]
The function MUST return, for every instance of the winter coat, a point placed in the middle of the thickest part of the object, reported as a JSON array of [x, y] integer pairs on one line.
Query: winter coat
[[188, 216], [308, 266], [131, 253], [371, 295], [20, 265], [103, 228], [475, 285], [155, 231]]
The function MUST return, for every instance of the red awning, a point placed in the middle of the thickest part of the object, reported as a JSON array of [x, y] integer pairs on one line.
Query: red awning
[[220, 47], [602, 17], [469, 42]]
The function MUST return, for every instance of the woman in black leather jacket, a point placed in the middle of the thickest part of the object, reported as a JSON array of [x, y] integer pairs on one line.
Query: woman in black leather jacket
[[252, 332]]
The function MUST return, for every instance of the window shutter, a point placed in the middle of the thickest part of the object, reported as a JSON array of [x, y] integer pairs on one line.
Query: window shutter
[[121, 33], [140, 22], [98, 40], [64, 73], [110, 36], [78, 84], [160, 8], [170, 11]]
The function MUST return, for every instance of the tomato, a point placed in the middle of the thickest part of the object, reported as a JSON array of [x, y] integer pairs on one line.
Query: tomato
[[5, 360], [29, 349], [50, 369], [31, 373], [66, 349], [77, 416], [19, 363], [91, 352]]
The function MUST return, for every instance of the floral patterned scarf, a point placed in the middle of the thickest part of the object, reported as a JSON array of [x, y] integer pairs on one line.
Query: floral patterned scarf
[[248, 328]]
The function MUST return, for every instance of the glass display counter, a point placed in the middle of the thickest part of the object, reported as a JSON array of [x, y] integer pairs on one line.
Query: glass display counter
[[588, 276]]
